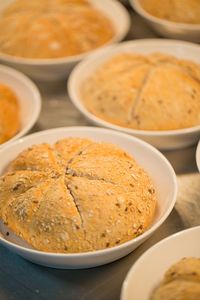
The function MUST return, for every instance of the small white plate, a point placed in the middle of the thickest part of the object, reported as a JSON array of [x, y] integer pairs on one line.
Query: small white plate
[[28, 96], [166, 139], [198, 156], [174, 30], [149, 269], [59, 68], [157, 166]]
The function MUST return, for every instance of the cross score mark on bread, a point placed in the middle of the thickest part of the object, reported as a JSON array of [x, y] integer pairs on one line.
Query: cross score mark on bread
[[75, 196], [153, 92]]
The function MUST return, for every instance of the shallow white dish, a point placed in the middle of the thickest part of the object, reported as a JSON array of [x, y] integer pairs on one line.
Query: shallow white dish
[[59, 68], [161, 139], [182, 31], [147, 156], [29, 99], [198, 156], [152, 265]]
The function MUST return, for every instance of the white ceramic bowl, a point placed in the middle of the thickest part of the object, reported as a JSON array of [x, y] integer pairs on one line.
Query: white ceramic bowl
[[149, 269], [198, 156], [182, 31], [55, 69], [28, 96], [148, 157], [168, 139]]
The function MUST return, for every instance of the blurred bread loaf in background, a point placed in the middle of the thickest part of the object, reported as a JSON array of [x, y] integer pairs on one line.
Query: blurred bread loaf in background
[[52, 28], [9, 113]]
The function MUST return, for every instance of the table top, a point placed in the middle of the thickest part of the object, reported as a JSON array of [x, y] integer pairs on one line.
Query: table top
[[22, 280]]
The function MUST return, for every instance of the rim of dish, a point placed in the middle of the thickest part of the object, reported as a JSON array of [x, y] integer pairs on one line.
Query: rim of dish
[[140, 10], [198, 156], [74, 82], [35, 94], [149, 251], [147, 233], [118, 36]]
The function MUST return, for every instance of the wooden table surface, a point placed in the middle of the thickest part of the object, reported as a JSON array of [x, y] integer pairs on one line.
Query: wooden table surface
[[22, 280]]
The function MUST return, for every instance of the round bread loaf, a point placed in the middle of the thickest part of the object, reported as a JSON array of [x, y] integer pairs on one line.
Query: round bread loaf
[[75, 196], [153, 92], [9, 113], [180, 11], [52, 28], [181, 281]]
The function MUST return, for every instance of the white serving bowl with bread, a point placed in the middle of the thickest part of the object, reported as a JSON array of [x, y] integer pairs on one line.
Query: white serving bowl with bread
[[104, 88], [28, 100], [56, 67], [168, 28], [152, 265], [147, 157]]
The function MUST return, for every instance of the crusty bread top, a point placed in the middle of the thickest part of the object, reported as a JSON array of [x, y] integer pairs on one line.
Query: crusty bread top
[[153, 92], [181, 11], [181, 281], [188, 268], [9, 113], [76, 195], [52, 28]]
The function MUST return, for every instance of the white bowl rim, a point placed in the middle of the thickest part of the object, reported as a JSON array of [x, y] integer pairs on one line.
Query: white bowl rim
[[138, 7], [111, 249], [37, 98], [149, 251], [74, 58], [198, 155], [103, 53]]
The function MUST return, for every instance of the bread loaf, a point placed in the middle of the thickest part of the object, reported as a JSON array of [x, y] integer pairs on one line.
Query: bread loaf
[[9, 113], [180, 11], [181, 281], [152, 92], [76, 196], [52, 28]]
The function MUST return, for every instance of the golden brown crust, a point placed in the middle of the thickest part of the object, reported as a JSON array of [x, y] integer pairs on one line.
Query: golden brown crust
[[124, 214], [169, 95], [44, 216], [154, 92], [9, 113], [187, 268], [179, 290], [181, 281], [67, 149], [75, 196], [180, 11], [37, 158], [52, 28]]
